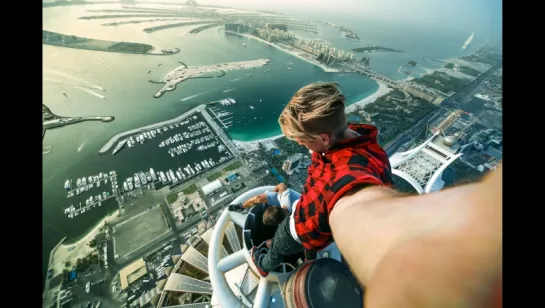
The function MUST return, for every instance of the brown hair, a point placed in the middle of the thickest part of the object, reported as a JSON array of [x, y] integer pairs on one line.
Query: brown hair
[[314, 109], [273, 215]]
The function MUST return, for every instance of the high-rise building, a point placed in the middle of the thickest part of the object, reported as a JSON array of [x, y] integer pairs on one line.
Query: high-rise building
[[292, 162]]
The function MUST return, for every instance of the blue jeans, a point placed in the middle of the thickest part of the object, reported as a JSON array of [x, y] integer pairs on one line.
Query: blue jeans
[[282, 245], [288, 197]]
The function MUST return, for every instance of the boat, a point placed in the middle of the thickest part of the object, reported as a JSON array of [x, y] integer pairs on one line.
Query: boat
[[119, 146], [143, 178], [468, 41], [152, 173], [88, 286], [172, 176], [136, 180], [129, 183], [67, 185], [148, 177], [83, 182], [90, 179], [125, 186], [163, 177], [252, 107], [78, 182], [179, 175]]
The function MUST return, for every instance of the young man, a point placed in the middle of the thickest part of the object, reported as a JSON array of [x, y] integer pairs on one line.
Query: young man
[[345, 157]]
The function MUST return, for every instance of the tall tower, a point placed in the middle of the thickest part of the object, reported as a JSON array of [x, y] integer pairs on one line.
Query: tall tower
[[298, 284], [423, 166]]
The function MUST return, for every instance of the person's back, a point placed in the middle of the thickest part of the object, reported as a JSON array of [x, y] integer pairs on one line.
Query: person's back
[[345, 157]]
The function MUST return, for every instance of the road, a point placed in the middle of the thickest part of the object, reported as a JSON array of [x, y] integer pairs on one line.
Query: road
[[467, 92]]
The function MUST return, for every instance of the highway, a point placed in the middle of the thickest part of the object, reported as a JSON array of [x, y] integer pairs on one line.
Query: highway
[[392, 146]]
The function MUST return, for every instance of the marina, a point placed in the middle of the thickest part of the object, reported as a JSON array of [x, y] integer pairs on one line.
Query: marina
[[221, 115], [194, 142], [161, 125], [85, 184]]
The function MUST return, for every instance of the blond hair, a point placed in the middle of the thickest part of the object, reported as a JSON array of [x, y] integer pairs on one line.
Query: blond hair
[[314, 109]]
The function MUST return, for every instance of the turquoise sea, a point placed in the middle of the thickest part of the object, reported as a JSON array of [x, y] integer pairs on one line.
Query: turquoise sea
[[128, 95]]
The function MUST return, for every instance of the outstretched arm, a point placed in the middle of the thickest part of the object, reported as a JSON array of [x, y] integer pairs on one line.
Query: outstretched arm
[[437, 250], [259, 199]]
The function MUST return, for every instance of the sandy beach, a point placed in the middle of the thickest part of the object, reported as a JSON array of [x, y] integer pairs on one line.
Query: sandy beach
[[291, 52], [249, 146], [382, 90], [79, 249]]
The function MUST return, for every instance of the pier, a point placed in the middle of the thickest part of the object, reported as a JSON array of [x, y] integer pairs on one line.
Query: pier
[[218, 116], [219, 131], [61, 121], [106, 147]]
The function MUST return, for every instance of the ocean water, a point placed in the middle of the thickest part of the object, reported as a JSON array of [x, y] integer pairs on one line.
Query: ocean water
[[102, 83]]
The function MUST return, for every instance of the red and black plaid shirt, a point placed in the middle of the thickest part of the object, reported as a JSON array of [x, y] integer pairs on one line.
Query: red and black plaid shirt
[[353, 163]]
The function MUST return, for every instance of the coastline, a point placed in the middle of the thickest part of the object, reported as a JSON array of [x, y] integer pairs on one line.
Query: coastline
[[244, 145], [381, 91], [252, 37], [79, 249]]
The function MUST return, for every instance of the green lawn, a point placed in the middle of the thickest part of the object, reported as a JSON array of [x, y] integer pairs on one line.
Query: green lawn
[[214, 176], [190, 189], [233, 166], [172, 198]]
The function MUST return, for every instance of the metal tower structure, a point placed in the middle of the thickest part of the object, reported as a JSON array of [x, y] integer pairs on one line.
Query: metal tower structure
[[291, 284], [423, 166]]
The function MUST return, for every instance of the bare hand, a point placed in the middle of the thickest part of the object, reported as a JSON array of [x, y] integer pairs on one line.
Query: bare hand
[[268, 243], [280, 188]]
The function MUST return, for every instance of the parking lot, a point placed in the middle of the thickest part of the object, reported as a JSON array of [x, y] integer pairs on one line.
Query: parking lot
[[138, 230], [161, 259]]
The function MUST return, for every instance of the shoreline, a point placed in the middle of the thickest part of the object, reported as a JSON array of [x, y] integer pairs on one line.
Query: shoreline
[[381, 91], [183, 73], [252, 37], [81, 248], [242, 144]]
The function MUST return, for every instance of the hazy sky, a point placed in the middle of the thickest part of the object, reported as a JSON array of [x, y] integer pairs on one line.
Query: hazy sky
[[467, 15]]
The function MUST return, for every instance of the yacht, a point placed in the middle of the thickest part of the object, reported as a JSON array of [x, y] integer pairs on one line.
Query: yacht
[[136, 180], [179, 175], [143, 178], [67, 185], [162, 176], [129, 182], [119, 146], [152, 173]]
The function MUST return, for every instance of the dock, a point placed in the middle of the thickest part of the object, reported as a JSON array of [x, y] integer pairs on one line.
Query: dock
[[226, 124], [219, 131], [61, 121], [107, 147]]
